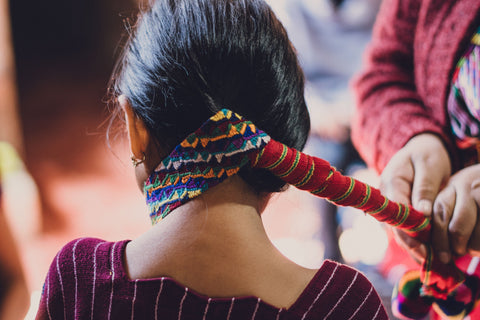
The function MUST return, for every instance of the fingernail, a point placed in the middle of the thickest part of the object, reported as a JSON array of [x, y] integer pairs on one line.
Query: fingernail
[[425, 206], [444, 257]]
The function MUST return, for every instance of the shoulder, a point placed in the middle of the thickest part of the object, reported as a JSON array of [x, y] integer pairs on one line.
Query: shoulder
[[86, 244], [78, 249], [84, 255], [346, 271], [80, 267], [333, 276], [339, 290], [84, 258]]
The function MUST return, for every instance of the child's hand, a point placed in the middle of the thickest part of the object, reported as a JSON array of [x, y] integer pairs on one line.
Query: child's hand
[[414, 176], [456, 227]]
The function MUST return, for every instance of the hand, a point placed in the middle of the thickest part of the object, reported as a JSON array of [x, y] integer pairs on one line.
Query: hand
[[414, 176], [455, 224]]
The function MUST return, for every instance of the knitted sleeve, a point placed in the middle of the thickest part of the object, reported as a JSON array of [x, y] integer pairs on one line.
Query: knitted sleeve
[[389, 110]]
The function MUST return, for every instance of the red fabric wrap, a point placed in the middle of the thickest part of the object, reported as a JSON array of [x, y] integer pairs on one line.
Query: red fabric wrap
[[321, 179]]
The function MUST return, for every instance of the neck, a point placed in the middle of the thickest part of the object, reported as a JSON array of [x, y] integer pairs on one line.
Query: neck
[[231, 203], [216, 244], [224, 219], [215, 216]]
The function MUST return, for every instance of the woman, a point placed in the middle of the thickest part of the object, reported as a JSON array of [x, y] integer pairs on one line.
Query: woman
[[207, 255]]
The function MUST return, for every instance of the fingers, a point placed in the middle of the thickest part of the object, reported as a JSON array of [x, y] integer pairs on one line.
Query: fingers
[[432, 168], [426, 184], [474, 244], [396, 179], [415, 248], [454, 220], [395, 184], [396, 188], [415, 175], [463, 221], [443, 211]]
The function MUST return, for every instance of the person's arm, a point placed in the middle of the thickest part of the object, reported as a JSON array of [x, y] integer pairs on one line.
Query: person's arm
[[389, 110], [15, 299], [393, 130]]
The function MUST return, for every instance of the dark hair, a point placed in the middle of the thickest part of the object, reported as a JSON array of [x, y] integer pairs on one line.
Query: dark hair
[[187, 59]]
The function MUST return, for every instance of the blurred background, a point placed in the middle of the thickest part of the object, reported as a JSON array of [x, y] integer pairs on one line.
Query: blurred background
[[61, 180], [66, 182]]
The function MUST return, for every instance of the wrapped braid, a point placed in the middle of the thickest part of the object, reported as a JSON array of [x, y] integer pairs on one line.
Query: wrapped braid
[[226, 142]]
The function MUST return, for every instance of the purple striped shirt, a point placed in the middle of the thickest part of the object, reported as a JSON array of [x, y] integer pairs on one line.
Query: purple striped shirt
[[87, 280]]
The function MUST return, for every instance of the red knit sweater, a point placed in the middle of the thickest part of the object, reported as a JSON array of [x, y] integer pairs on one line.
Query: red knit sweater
[[403, 88]]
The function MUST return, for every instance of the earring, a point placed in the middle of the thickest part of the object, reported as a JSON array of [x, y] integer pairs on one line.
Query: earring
[[136, 161]]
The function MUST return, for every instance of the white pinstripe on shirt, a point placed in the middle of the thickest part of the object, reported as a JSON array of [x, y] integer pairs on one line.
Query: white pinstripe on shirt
[[343, 296], [113, 278], [61, 286], [158, 298], [320, 293], [75, 274], [94, 278], [134, 298]]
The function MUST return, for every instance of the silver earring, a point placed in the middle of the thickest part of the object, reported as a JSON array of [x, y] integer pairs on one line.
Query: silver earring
[[136, 161]]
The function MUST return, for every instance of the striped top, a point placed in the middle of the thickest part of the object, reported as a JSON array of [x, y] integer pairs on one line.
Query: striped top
[[87, 280]]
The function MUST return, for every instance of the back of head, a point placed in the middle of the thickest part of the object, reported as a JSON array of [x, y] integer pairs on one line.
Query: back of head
[[187, 59]]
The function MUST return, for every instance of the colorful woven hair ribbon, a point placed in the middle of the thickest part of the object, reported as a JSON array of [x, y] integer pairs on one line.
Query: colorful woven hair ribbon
[[226, 142], [214, 152]]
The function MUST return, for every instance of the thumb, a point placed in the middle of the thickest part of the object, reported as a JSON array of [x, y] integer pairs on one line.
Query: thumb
[[397, 178], [426, 185]]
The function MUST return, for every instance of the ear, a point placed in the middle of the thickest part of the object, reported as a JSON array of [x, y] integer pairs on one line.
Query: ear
[[138, 134]]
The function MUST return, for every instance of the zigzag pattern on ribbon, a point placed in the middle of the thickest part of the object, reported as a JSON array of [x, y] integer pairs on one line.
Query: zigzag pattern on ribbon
[[216, 151]]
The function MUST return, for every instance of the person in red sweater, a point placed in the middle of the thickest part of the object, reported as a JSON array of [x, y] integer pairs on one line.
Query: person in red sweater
[[417, 120]]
